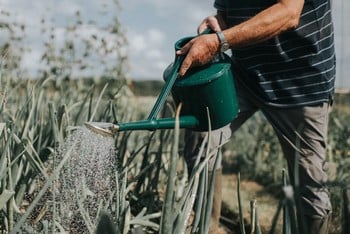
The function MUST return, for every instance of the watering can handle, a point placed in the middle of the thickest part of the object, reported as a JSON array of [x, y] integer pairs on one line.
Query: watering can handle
[[166, 88], [170, 82]]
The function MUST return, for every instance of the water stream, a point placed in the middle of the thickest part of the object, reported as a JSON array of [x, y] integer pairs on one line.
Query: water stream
[[86, 184]]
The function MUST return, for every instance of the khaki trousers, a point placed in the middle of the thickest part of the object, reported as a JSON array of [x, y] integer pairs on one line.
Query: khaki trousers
[[302, 133]]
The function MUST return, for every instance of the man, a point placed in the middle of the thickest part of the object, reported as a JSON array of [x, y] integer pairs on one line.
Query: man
[[284, 65]]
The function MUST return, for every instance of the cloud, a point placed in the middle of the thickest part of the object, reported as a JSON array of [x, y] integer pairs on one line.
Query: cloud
[[152, 27], [39, 15], [154, 54], [144, 41], [137, 43], [146, 51], [156, 36]]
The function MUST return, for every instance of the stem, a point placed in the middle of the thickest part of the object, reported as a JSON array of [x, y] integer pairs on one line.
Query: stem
[[167, 213], [240, 204]]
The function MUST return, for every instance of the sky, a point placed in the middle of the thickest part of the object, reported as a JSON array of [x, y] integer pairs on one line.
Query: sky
[[151, 26]]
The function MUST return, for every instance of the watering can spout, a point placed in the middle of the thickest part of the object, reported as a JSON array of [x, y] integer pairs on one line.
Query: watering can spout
[[109, 129], [102, 128]]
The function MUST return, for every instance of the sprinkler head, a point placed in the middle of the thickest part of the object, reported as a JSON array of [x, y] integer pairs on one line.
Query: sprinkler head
[[102, 128]]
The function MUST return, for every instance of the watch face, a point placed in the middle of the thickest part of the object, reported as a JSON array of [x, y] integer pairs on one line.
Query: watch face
[[225, 46]]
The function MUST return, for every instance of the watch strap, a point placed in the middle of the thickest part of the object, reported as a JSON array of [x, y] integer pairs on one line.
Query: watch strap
[[221, 37], [224, 45]]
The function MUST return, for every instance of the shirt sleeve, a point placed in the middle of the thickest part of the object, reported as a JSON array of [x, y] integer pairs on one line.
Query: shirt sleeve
[[219, 5]]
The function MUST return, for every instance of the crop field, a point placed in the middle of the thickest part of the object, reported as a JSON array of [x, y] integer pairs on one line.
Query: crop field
[[58, 177]]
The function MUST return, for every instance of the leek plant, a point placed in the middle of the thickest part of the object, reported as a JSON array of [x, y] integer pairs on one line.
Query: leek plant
[[151, 191]]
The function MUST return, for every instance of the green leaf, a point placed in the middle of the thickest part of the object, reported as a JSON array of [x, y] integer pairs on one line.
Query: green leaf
[[2, 127], [4, 197]]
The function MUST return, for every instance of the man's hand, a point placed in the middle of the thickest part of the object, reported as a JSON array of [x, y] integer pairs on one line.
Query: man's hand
[[198, 51], [201, 49]]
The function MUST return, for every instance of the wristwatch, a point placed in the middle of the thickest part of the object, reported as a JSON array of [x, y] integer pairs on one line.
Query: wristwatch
[[224, 45]]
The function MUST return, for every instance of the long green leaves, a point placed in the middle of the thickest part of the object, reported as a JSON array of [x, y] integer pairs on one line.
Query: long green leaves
[[152, 190], [168, 209]]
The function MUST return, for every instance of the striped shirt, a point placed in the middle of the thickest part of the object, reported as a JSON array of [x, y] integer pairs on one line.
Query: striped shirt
[[297, 67]]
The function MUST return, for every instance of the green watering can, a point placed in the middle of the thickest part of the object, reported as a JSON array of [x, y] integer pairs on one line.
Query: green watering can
[[205, 89]]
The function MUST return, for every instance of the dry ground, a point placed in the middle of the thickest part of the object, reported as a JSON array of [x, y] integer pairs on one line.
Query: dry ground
[[266, 203]]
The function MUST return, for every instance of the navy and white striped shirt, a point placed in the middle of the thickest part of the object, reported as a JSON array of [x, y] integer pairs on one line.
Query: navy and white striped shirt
[[295, 68]]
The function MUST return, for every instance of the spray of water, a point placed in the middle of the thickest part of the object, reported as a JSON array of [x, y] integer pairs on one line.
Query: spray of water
[[86, 183]]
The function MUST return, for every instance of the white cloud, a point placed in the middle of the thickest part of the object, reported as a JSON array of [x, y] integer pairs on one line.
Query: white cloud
[[161, 65], [153, 28], [68, 8], [146, 51], [154, 54], [156, 36], [137, 43], [140, 42], [31, 59]]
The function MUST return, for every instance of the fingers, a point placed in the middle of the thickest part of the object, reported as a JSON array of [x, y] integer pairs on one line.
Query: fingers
[[186, 64], [201, 28], [184, 49], [209, 22], [198, 51], [190, 54]]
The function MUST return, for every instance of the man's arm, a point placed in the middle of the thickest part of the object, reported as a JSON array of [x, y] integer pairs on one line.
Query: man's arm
[[280, 17], [269, 23]]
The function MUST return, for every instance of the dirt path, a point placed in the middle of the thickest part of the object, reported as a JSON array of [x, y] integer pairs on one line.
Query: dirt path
[[250, 190]]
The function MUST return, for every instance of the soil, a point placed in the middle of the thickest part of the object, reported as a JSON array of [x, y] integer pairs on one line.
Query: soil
[[266, 205]]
